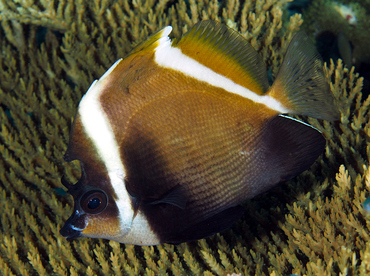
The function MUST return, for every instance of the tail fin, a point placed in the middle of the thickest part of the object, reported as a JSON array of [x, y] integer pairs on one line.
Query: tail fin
[[301, 84]]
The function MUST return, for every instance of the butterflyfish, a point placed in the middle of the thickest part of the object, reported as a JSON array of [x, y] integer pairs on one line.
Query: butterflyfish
[[176, 136]]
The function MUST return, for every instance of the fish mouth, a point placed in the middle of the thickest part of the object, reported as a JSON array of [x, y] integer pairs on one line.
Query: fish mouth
[[69, 232], [76, 223], [74, 226]]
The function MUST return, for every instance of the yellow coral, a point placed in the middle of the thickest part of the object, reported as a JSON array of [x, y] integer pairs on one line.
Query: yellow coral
[[50, 53]]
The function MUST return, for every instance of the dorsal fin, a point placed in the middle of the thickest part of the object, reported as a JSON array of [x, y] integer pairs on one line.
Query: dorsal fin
[[160, 37], [226, 52]]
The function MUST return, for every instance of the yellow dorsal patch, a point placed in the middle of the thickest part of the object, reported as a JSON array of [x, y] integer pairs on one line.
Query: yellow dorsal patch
[[227, 53], [153, 41]]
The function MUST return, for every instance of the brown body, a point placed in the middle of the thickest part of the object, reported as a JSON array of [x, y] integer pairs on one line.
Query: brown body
[[190, 152]]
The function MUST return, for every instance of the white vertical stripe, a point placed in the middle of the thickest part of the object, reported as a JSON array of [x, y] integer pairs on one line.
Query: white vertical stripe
[[99, 130], [140, 233], [172, 57]]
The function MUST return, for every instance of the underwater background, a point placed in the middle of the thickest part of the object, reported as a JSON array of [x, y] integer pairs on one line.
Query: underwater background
[[51, 51]]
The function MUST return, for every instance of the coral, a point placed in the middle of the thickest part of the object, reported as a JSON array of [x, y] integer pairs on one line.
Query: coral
[[50, 53]]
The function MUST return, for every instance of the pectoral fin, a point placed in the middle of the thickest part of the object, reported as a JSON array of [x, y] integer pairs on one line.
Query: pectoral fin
[[176, 197]]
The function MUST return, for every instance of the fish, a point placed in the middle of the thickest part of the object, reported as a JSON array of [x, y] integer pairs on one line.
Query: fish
[[173, 138], [345, 49]]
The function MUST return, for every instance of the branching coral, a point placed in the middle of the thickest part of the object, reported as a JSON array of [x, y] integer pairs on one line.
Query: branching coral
[[50, 53]]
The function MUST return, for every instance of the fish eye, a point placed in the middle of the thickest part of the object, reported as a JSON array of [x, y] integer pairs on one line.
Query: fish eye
[[94, 202]]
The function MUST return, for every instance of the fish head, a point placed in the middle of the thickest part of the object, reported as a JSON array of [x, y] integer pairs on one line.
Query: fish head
[[95, 213]]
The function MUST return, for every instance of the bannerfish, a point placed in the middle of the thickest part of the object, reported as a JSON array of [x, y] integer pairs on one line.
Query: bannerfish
[[176, 136]]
